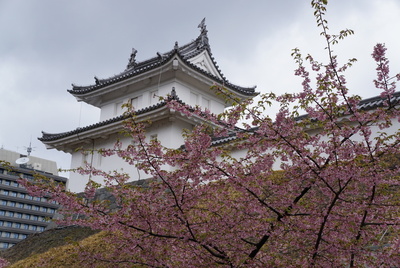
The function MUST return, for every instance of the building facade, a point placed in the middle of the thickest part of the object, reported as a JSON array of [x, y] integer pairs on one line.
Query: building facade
[[20, 213]]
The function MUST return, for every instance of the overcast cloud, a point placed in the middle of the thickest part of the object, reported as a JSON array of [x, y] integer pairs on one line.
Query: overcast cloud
[[46, 45]]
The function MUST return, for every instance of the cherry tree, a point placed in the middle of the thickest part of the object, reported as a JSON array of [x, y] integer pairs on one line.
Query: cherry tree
[[289, 190]]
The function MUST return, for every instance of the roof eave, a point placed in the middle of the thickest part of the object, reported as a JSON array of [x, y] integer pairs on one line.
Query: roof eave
[[93, 97]]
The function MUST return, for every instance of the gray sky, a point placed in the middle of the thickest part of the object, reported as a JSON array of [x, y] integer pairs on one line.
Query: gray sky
[[45, 45]]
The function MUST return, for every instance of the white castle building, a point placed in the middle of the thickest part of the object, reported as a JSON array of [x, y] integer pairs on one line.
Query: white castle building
[[185, 73]]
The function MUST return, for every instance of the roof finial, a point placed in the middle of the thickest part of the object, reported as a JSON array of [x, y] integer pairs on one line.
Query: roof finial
[[202, 26], [160, 56], [176, 45], [203, 34], [132, 60]]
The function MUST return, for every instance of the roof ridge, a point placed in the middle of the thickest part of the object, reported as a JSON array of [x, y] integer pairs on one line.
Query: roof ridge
[[185, 52]]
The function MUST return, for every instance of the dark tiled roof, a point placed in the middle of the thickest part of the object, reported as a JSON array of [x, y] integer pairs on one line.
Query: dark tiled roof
[[365, 104], [223, 140], [368, 104], [375, 102], [52, 137], [55, 136], [185, 53]]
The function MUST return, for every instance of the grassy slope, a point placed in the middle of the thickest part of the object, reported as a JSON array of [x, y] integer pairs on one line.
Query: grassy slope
[[51, 240]]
